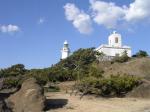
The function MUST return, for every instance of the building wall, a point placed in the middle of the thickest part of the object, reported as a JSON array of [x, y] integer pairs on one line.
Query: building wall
[[112, 51], [112, 40]]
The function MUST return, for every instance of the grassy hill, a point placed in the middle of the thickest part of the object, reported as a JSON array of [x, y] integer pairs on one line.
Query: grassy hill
[[136, 66], [106, 78]]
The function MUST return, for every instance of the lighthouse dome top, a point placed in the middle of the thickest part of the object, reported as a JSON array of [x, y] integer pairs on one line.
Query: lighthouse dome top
[[114, 32], [65, 42]]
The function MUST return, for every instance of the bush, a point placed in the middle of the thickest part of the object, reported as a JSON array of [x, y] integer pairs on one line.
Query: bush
[[11, 83], [42, 77], [95, 72], [52, 89], [121, 59], [141, 54], [88, 85], [123, 84], [75, 66], [112, 86], [14, 70]]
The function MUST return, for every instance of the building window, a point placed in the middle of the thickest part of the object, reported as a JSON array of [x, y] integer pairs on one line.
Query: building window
[[116, 40]]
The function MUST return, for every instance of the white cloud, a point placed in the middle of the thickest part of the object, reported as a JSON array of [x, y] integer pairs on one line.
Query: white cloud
[[138, 10], [9, 28], [71, 11], [79, 19], [41, 20], [108, 14]]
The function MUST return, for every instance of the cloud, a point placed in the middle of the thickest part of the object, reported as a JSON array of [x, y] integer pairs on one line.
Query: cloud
[[9, 28], [41, 20], [111, 15], [80, 20], [138, 10], [108, 14]]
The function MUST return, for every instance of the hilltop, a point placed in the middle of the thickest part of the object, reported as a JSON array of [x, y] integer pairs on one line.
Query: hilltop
[[118, 76], [82, 74], [136, 66]]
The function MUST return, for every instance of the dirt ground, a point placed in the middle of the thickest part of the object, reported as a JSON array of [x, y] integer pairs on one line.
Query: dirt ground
[[63, 102]]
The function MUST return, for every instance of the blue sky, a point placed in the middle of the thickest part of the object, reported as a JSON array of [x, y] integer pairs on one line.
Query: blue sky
[[32, 32]]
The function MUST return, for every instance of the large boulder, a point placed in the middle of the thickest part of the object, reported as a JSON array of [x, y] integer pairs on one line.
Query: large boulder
[[4, 107], [30, 98], [1, 83], [142, 91]]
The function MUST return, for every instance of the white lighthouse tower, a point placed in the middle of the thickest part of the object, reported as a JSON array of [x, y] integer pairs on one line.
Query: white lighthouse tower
[[65, 50]]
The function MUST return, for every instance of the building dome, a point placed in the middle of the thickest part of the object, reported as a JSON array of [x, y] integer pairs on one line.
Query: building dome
[[115, 40]]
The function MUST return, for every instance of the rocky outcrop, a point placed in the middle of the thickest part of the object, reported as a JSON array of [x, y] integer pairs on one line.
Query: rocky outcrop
[[30, 98], [4, 107], [1, 83]]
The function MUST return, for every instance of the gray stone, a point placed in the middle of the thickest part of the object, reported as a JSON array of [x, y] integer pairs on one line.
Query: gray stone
[[30, 98]]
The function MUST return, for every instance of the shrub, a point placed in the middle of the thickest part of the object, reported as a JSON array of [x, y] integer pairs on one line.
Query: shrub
[[121, 84], [112, 86], [41, 77], [95, 72], [74, 67], [11, 82], [14, 70], [88, 85], [121, 59], [141, 53], [52, 89]]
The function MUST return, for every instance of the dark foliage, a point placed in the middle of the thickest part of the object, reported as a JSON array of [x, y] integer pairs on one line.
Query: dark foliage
[[141, 53], [121, 59], [112, 86], [74, 67], [14, 70]]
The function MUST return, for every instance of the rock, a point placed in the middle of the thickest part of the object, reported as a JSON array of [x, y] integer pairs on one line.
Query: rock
[[142, 91], [30, 98], [3, 107], [1, 83]]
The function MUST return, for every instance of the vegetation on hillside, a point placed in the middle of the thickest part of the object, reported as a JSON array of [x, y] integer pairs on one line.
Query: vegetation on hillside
[[13, 76], [14, 70], [121, 59], [117, 85], [140, 54], [75, 66], [82, 65]]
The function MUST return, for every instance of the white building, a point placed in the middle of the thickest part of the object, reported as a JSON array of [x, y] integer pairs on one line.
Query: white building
[[65, 50], [114, 47]]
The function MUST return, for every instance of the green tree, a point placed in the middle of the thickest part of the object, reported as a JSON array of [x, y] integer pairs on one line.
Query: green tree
[[14, 70], [75, 66], [141, 53]]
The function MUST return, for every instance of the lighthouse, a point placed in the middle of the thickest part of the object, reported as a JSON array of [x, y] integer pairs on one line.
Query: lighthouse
[[65, 52]]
